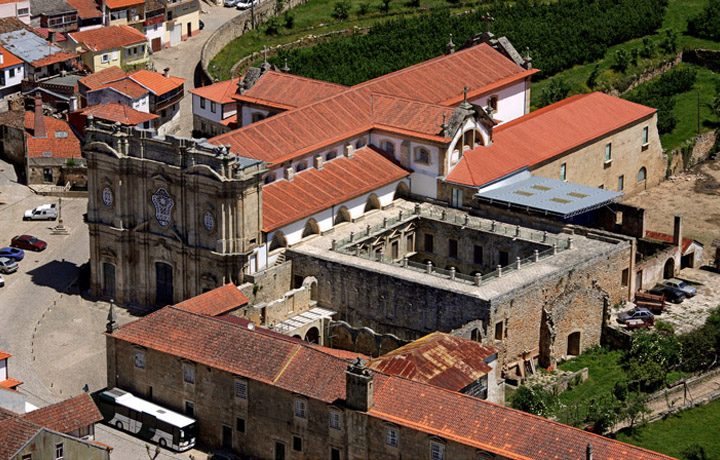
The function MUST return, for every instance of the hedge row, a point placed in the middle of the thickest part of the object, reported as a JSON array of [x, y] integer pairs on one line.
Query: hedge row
[[559, 35]]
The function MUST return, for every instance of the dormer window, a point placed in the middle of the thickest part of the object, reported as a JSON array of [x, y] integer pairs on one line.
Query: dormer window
[[422, 156]]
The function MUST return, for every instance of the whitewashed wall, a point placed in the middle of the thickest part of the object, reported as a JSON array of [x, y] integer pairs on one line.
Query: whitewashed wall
[[511, 101]]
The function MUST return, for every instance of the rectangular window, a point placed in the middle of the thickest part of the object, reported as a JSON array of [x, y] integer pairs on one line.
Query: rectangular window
[[11, 73], [499, 330], [409, 244], [202, 102], [621, 183], [645, 135], [105, 58], [504, 258], [437, 451], [608, 152], [493, 103], [391, 438], [563, 171], [240, 424], [477, 254], [297, 444], [300, 408], [428, 243], [241, 389], [452, 248], [23, 11], [59, 451], [212, 107], [334, 420], [139, 359], [334, 453], [625, 277], [27, 457], [190, 408], [188, 372]]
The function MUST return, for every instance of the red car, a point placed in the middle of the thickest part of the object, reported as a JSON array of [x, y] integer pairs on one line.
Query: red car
[[28, 242]]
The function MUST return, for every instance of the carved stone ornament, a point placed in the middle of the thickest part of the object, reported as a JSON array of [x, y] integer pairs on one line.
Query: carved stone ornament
[[163, 203], [209, 221], [107, 196]]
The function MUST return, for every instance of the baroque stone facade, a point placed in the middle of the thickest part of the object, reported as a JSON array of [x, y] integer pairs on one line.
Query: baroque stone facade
[[169, 218]]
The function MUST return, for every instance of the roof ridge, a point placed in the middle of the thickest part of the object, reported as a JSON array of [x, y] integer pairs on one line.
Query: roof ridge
[[543, 110], [308, 79]]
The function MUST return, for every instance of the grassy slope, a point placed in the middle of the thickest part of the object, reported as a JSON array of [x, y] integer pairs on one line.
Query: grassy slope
[[676, 433]]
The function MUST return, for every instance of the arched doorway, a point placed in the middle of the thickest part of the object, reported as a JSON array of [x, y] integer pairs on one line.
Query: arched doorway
[[373, 202], [402, 191], [313, 335], [343, 215], [573, 344], [163, 284], [311, 228], [669, 270], [278, 241]]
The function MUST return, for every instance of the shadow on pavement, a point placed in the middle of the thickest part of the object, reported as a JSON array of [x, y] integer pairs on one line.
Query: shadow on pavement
[[55, 274]]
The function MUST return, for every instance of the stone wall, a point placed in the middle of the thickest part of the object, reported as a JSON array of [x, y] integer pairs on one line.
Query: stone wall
[[269, 284], [362, 339]]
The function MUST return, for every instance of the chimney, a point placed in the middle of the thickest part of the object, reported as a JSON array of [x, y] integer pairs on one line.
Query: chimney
[[318, 163], [349, 150], [289, 174], [39, 125], [51, 36], [677, 232], [358, 386], [166, 72]]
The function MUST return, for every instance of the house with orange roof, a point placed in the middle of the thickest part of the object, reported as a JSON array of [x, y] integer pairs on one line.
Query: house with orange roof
[[19, 9], [214, 108], [121, 46], [42, 59], [111, 113], [122, 12], [88, 13], [11, 72], [274, 395], [5, 380]]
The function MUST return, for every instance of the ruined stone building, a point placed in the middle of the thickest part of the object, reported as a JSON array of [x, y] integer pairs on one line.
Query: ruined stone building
[[266, 395]]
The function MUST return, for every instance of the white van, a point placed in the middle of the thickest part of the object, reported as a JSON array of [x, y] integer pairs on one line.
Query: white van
[[43, 212]]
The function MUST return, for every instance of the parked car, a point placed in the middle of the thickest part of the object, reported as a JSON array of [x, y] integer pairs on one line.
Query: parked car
[[682, 286], [231, 2], [28, 242], [636, 313], [43, 212], [245, 4], [8, 265], [12, 253], [2, 281], [670, 293]]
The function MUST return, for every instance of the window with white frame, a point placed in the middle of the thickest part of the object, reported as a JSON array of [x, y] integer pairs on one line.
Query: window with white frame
[[139, 359], [608, 152], [422, 156], [188, 372], [59, 451], [241, 389], [300, 408], [645, 135], [392, 437], [335, 419], [437, 451], [105, 58]]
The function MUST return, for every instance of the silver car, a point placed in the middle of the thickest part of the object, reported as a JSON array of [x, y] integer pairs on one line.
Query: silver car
[[8, 265], [682, 286], [231, 3]]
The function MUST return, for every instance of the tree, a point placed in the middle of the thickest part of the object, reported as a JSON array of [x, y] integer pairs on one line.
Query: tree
[[556, 90], [622, 60], [363, 9], [289, 20], [272, 26], [341, 10], [634, 56], [384, 6], [669, 42], [651, 356], [592, 78], [694, 452], [533, 399], [648, 48]]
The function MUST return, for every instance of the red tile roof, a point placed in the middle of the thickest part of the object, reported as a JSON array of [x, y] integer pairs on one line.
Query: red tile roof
[[545, 134], [686, 242], [286, 91], [54, 59], [115, 112], [294, 366], [423, 86], [58, 145], [11, 383], [220, 92], [116, 4], [439, 359], [44, 33], [14, 433], [215, 302], [313, 190], [4, 355], [86, 9], [108, 37], [66, 416], [9, 59], [98, 79], [155, 82], [127, 87]]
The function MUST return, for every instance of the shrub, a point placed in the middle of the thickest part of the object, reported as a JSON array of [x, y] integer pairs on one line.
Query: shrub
[[289, 20], [648, 48], [363, 9], [341, 10], [384, 6], [651, 356], [622, 60], [592, 78], [272, 26], [533, 399], [555, 91], [695, 452], [707, 23]]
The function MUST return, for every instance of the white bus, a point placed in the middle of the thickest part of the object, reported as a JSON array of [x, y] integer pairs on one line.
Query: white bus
[[164, 427]]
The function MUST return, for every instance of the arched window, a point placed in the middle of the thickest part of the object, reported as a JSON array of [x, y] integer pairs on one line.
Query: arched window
[[422, 156], [373, 202], [300, 166], [402, 191], [278, 241], [642, 174], [389, 147], [311, 228], [343, 215]]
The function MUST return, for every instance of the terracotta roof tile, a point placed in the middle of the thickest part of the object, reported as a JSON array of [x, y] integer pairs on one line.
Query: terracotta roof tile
[[313, 190], [294, 366], [659, 236], [4, 355], [115, 112], [98, 79], [54, 59], [86, 9], [125, 86], [220, 92], [14, 433], [9, 59], [44, 32], [544, 134], [439, 359], [116, 4], [66, 416], [285, 90], [11, 383], [108, 37], [155, 82], [60, 141], [215, 302]]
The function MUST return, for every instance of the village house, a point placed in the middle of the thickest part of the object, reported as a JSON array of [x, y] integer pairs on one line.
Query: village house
[[214, 108], [56, 15], [19, 9], [6, 381], [269, 403], [11, 72], [112, 46], [41, 59]]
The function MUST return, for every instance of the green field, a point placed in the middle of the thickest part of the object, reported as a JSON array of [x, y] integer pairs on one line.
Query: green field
[[677, 433]]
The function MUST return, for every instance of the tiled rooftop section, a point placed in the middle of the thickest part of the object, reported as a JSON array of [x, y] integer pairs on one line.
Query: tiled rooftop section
[[284, 90], [216, 301], [67, 416]]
